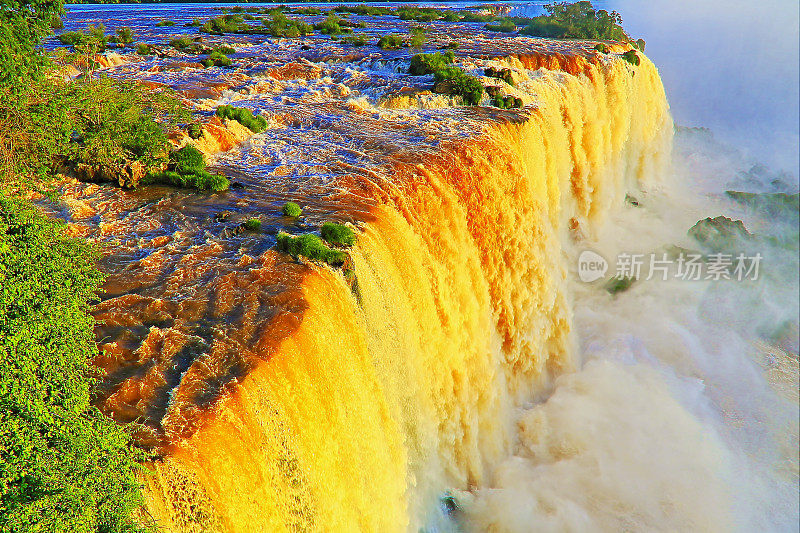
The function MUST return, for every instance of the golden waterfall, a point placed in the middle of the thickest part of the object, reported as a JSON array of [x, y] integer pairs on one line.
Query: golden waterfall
[[390, 394]]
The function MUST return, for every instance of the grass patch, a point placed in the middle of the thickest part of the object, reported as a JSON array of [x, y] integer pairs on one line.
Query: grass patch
[[252, 224], [187, 169], [504, 26], [245, 117], [422, 64], [311, 247], [338, 234], [291, 209], [283, 26], [165, 22], [359, 39], [144, 49], [332, 25], [216, 59], [390, 41], [453, 80]]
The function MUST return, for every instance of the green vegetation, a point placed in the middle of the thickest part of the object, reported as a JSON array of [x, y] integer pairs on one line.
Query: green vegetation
[[66, 467], [364, 10], [216, 59], [577, 20], [499, 73], [421, 14], [311, 247], [187, 169], [93, 39], [291, 209], [227, 24], [504, 26], [194, 130], [422, 64], [252, 224], [358, 39], [602, 48], [123, 36], [338, 234], [632, 57], [144, 49], [332, 25], [245, 117], [619, 284], [390, 41], [453, 80], [418, 37], [507, 102], [165, 22], [283, 26]]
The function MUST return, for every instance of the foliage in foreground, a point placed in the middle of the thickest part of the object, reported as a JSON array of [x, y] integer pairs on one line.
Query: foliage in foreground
[[338, 234], [243, 116], [291, 209], [422, 64], [454, 80], [65, 467]]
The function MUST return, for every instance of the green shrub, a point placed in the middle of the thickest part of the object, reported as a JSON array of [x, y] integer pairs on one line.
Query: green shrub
[[194, 130], [361, 9], [422, 64], [360, 39], [420, 14], [245, 117], [291, 209], [187, 160], [227, 24], [456, 81], [505, 26], [124, 35], [283, 26], [507, 102], [499, 73], [310, 246], [202, 180], [332, 25], [617, 284], [390, 41], [195, 23], [216, 59], [182, 43], [602, 48], [632, 57], [469, 16], [70, 38], [65, 466], [252, 224], [640, 44], [223, 49], [165, 22], [338, 234], [418, 37]]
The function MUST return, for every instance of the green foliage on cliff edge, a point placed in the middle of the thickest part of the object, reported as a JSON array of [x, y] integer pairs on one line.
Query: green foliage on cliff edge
[[65, 466], [578, 20]]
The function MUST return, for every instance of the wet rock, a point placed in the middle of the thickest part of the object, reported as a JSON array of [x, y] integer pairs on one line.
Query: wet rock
[[719, 233], [127, 175], [222, 216]]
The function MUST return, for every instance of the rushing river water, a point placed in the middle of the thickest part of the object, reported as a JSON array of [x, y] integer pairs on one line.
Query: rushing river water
[[468, 379]]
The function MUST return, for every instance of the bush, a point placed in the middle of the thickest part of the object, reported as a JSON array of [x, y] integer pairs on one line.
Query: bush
[[223, 49], [252, 224], [216, 59], [124, 35], [505, 26], [245, 117], [500, 73], [453, 80], [507, 102], [202, 180], [356, 40], [422, 64], [187, 160], [165, 22], [332, 25], [420, 14], [632, 57], [390, 41], [338, 234], [603, 48], [310, 246], [283, 26], [65, 466], [194, 130], [362, 9], [291, 209]]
